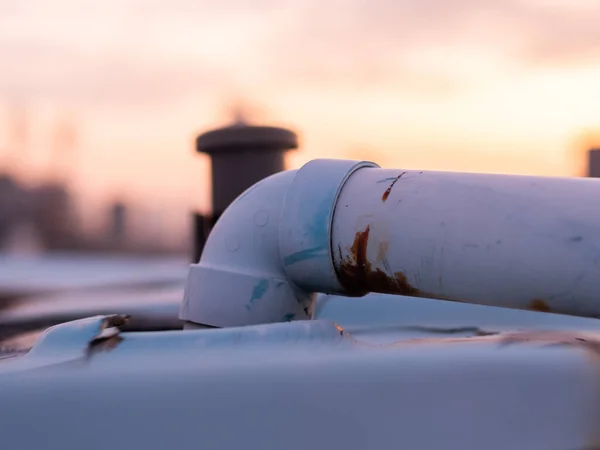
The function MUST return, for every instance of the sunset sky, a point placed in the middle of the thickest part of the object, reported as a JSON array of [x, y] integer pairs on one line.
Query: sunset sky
[[474, 85]]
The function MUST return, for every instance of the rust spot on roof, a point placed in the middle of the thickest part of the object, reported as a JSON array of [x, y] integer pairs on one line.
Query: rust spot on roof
[[388, 191], [588, 342], [540, 305]]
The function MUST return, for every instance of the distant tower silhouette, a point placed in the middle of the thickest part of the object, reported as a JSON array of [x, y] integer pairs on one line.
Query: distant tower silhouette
[[18, 137], [118, 222], [594, 163], [63, 149]]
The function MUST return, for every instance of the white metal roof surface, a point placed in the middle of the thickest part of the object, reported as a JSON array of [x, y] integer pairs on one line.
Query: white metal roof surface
[[27, 275], [360, 376]]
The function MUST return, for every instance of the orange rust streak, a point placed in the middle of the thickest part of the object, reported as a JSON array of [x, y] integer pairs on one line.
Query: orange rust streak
[[539, 305], [404, 287], [357, 274], [388, 191], [361, 241]]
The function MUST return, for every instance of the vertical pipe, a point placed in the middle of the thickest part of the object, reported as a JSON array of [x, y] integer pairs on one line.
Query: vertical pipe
[[512, 241]]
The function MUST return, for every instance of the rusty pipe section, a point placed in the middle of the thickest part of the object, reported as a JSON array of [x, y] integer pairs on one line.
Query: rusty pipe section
[[513, 241], [350, 227]]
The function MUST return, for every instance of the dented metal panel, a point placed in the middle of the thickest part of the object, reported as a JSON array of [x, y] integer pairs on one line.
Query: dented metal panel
[[68, 342], [303, 385], [513, 241], [384, 315]]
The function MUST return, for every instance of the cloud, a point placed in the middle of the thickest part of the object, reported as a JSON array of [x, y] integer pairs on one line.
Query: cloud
[[357, 35], [43, 71], [365, 43], [559, 35], [144, 51]]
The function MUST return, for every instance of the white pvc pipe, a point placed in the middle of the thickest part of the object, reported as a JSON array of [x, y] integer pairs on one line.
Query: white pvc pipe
[[513, 241], [348, 227]]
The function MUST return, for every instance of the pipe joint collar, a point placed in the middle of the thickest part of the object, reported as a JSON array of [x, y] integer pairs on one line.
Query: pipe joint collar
[[306, 223]]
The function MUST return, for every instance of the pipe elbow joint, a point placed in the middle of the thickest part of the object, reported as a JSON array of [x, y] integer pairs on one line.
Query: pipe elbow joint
[[270, 251]]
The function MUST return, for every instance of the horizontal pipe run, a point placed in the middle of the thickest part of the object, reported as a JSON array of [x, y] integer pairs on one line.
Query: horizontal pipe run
[[513, 241]]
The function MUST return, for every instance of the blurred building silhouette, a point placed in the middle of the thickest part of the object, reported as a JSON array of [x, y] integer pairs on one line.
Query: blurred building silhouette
[[47, 209], [45, 216], [55, 217], [12, 204]]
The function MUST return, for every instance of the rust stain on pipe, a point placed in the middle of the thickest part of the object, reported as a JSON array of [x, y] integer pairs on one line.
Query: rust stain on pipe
[[359, 277], [540, 305], [388, 191]]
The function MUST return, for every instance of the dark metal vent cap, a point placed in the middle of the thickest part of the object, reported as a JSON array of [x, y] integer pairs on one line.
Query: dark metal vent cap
[[239, 137]]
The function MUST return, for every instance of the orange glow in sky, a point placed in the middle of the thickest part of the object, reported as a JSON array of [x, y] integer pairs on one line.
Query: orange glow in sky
[[463, 85]]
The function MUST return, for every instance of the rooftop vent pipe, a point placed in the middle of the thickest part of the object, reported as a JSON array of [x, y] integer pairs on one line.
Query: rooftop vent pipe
[[241, 155], [350, 228]]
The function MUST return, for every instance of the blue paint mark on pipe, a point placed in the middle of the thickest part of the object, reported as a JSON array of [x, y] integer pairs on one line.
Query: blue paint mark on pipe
[[319, 225], [259, 290], [387, 180], [315, 221], [303, 255], [315, 217]]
